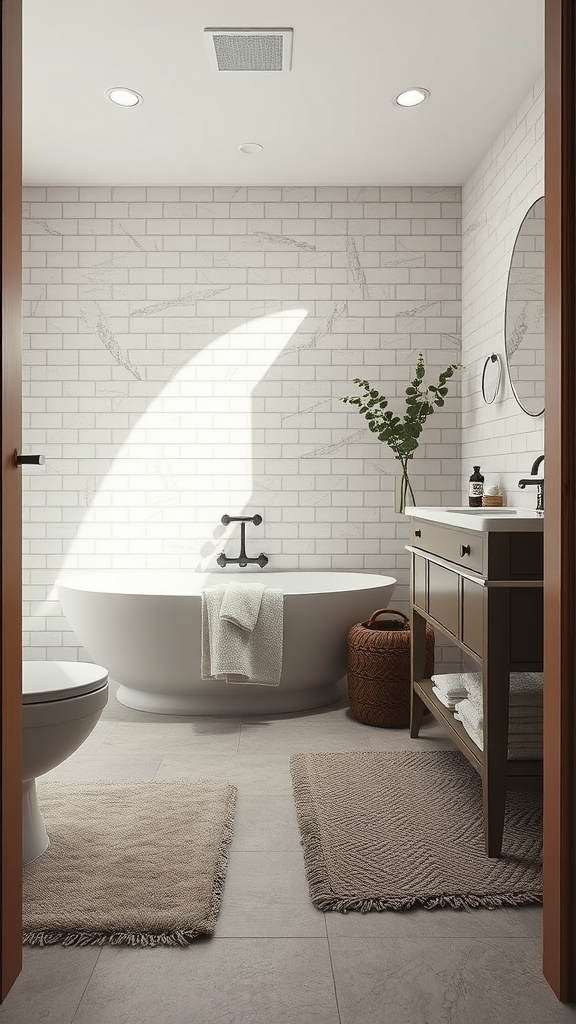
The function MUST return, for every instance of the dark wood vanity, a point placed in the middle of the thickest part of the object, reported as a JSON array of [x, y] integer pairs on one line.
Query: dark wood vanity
[[483, 590]]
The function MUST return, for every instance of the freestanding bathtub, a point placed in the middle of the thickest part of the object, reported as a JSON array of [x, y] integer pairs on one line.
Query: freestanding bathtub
[[145, 627]]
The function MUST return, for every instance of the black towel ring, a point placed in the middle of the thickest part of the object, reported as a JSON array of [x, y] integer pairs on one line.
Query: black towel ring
[[487, 388]]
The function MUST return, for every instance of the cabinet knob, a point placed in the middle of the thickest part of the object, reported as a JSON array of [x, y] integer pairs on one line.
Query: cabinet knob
[[464, 550], [417, 533]]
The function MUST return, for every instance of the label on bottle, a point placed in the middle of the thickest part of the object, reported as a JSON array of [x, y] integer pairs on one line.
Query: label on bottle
[[476, 489]]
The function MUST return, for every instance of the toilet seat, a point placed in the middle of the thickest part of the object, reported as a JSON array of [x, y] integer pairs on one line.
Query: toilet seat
[[47, 681]]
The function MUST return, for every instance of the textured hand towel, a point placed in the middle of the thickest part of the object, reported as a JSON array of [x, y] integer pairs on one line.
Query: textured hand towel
[[452, 685], [237, 655], [519, 733], [241, 604]]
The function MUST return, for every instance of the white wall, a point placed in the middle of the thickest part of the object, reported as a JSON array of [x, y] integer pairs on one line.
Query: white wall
[[185, 354], [500, 437]]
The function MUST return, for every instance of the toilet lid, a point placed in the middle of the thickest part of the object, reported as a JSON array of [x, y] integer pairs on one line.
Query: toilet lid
[[57, 680]]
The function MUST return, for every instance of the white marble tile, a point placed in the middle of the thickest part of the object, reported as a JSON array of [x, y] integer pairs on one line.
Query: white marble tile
[[220, 981]]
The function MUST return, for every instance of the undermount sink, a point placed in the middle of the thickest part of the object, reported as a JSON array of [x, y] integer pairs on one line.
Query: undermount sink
[[484, 511]]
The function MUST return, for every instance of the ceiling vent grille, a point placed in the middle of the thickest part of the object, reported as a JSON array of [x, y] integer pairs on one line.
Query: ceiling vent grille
[[249, 49]]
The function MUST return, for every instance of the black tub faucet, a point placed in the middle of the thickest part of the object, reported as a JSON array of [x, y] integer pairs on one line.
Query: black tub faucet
[[242, 559], [537, 481]]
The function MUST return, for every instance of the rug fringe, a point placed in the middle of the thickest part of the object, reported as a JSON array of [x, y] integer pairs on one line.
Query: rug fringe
[[468, 902], [51, 938]]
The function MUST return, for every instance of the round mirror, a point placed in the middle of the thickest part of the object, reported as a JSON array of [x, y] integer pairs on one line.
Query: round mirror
[[524, 313]]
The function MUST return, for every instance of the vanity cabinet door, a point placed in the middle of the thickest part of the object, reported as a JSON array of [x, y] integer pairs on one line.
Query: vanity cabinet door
[[443, 603]]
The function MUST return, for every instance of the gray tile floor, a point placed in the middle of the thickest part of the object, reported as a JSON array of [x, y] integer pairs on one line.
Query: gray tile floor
[[275, 959]]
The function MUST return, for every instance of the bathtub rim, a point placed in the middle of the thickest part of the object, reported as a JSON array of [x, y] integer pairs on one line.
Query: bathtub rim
[[81, 581]]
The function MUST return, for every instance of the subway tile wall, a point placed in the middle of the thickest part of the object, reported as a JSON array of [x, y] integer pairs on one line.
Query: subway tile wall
[[186, 350], [501, 437]]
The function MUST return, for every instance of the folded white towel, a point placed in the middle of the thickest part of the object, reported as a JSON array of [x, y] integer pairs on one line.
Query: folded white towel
[[241, 604], [446, 701], [237, 655], [526, 689], [451, 684], [525, 747]]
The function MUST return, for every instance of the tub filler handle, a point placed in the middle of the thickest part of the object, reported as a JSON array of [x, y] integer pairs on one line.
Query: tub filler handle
[[242, 559]]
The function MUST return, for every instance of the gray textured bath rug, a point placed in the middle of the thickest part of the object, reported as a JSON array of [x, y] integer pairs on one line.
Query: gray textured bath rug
[[135, 864], [392, 831]]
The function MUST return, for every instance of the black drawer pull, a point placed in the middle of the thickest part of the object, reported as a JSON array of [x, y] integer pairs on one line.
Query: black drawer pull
[[417, 533], [464, 550]]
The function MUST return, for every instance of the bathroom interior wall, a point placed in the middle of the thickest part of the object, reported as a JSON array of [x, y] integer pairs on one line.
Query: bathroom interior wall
[[500, 437], [184, 357]]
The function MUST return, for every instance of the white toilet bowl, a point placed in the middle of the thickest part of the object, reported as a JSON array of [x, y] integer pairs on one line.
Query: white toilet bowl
[[61, 703]]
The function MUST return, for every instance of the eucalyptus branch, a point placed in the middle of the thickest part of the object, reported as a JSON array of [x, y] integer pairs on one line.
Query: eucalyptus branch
[[402, 435]]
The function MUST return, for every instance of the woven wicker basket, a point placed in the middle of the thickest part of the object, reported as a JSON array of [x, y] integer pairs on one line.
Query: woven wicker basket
[[379, 669]]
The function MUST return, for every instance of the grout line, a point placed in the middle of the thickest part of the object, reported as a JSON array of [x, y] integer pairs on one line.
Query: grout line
[[96, 962]]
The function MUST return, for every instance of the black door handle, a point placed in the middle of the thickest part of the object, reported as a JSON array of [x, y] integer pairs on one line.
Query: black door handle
[[28, 460]]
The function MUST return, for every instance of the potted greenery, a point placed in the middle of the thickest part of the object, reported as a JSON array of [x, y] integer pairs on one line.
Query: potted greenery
[[402, 436]]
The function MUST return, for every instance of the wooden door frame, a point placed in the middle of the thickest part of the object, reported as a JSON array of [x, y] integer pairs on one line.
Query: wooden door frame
[[11, 497], [559, 919]]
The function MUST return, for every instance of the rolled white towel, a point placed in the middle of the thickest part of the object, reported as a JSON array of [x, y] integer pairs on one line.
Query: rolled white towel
[[241, 604]]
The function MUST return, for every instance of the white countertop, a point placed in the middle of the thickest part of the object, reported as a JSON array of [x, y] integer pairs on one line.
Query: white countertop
[[493, 520]]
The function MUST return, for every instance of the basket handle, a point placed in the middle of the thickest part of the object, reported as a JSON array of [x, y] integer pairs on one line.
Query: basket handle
[[386, 611]]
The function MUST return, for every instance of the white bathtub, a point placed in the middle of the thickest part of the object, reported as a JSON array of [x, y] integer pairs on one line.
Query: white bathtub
[[144, 627]]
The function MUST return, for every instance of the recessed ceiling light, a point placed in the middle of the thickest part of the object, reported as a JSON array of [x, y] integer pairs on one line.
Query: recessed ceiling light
[[250, 148], [124, 97], [411, 97]]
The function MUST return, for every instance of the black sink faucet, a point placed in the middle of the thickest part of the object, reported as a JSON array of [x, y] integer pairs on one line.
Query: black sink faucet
[[538, 481], [242, 559]]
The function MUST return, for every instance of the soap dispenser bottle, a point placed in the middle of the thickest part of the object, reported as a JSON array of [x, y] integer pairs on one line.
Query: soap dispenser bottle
[[476, 488]]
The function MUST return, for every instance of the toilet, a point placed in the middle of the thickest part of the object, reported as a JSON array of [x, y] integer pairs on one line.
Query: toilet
[[61, 703]]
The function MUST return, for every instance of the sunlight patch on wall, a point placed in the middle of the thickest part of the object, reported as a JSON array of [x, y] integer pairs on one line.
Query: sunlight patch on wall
[[187, 461]]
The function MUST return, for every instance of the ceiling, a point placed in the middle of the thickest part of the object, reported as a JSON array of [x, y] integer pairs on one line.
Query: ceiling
[[329, 121]]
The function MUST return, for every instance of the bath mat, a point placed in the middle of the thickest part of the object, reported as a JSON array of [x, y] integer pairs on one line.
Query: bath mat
[[136, 864], [392, 831]]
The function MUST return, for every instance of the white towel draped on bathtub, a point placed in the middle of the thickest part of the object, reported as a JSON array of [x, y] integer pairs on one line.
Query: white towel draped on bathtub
[[241, 604], [238, 655]]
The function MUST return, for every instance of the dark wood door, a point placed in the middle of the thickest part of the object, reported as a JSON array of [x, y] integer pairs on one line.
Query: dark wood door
[[560, 513], [11, 500]]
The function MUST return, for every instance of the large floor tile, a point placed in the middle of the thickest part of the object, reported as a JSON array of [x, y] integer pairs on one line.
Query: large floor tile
[[432, 737], [266, 894], [287, 734], [263, 774], [266, 823], [443, 981], [200, 735], [113, 764], [219, 981], [51, 985]]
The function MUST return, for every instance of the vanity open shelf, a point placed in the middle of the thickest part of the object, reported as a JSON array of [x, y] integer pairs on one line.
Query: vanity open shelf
[[482, 588]]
